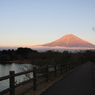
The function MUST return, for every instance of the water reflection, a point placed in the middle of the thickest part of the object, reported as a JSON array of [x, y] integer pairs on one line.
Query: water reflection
[[5, 68]]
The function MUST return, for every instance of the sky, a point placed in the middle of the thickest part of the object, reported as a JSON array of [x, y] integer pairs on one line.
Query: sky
[[36, 22]]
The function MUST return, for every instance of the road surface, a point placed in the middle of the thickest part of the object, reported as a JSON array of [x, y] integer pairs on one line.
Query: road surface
[[79, 82]]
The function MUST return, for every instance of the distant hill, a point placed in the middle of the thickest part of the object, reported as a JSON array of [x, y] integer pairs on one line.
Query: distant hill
[[70, 40]]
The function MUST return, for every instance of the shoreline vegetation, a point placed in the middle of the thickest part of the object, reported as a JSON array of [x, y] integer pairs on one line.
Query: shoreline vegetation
[[27, 55], [16, 61], [20, 61]]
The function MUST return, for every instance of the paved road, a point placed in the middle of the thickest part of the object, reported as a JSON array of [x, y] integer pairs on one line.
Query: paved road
[[79, 82]]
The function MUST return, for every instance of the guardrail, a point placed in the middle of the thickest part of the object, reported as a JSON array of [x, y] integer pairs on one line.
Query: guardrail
[[46, 73]]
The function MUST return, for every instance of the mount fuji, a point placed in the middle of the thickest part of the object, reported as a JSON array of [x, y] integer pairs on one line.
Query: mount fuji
[[70, 40]]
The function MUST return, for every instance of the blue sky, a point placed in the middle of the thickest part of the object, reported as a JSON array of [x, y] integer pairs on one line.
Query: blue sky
[[36, 22]]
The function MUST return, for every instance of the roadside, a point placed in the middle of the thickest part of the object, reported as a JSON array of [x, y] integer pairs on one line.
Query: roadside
[[42, 87], [79, 82]]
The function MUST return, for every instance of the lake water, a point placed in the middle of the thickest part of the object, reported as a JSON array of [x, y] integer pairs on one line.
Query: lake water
[[5, 68]]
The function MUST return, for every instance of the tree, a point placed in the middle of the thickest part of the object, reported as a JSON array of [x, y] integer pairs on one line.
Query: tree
[[93, 28], [24, 52]]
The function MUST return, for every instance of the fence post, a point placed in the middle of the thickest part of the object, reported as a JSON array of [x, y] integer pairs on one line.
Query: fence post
[[34, 78], [47, 73], [61, 66], [71, 66], [74, 64], [12, 81], [55, 68], [66, 67]]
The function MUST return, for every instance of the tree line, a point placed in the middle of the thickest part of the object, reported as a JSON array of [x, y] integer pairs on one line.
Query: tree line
[[47, 57]]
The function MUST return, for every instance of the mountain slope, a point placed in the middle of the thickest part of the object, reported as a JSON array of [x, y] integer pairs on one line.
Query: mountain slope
[[69, 40]]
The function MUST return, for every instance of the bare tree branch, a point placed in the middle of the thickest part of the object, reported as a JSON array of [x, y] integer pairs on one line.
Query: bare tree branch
[[93, 28]]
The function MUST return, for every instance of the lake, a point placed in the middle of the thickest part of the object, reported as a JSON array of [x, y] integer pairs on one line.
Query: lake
[[5, 68]]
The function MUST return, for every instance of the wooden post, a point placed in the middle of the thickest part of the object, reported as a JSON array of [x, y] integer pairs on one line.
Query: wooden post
[[47, 73], [34, 78], [72, 65], [66, 67], [12, 81], [55, 70], [61, 66], [75, 64], [69, 66]]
